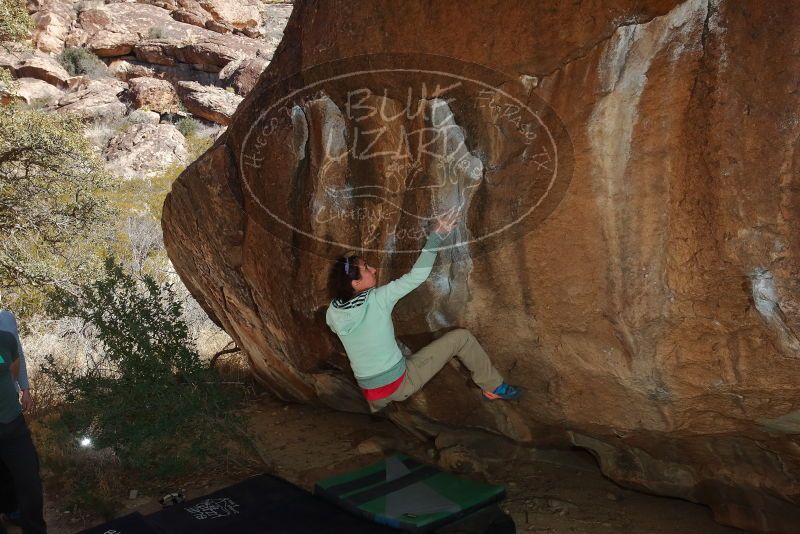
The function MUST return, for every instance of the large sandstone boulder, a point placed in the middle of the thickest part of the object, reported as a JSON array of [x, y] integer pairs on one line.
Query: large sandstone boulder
[[154, 94], [37, 92], [243, 74], [191, 12], [30, 91], [222, 16], [106, 43], [127, 68], [211, 103], [275, 16], [52, 21], [149, 31], [98, 101], [650, 302], [23, 62], [219, 26], [142, 116], [236, 13], [146, 150], [210, 54]]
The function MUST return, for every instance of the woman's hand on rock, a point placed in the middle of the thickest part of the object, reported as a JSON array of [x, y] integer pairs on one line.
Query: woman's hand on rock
[[445, 222]]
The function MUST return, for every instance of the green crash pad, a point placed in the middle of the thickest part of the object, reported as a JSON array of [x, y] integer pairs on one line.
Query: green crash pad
[[408, 495]]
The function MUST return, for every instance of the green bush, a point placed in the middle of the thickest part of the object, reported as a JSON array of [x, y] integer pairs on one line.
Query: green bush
[[8, 86], [5, 76], [53, 189], [81, 61], [187, 126], [145, 393], [15, 23]]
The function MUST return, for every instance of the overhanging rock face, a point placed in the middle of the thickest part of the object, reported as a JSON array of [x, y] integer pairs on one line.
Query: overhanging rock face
[[626, 184]]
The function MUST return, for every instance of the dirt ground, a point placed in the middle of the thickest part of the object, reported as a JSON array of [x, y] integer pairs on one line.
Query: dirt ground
[[552, 492]]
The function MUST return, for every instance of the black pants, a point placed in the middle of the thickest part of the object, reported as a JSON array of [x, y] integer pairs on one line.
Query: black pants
[[8, 495], [19, 457]]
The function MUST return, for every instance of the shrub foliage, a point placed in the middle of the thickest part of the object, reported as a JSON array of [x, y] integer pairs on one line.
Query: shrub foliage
[[15, 23], [53, 200], [81, 61], [145, 392]]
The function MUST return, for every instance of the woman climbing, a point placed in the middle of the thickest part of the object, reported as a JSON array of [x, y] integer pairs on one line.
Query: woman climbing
[[361, 316]]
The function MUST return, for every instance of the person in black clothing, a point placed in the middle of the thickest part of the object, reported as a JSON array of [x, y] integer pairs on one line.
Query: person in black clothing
[[8, 499], [17, 452]]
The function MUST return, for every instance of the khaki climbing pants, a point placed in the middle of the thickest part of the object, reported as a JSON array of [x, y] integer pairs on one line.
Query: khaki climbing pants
[[424, 364]]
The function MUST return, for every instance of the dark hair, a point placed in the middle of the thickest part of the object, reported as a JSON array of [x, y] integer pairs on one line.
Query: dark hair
[[343, 272]]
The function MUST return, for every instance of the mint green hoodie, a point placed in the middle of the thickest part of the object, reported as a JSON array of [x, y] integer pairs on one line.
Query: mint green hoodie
[[364, 323]]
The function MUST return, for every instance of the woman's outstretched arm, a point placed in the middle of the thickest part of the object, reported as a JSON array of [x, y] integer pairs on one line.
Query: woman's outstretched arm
[[397, 289]]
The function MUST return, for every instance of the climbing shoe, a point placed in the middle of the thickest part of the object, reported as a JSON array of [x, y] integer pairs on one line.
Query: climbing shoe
[[504, 391]]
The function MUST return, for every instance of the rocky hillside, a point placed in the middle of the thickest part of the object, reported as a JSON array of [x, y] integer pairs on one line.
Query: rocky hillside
[[158, 62], [650, 302]]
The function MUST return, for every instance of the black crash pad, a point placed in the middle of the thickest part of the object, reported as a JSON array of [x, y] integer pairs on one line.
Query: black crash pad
[[262, 504]]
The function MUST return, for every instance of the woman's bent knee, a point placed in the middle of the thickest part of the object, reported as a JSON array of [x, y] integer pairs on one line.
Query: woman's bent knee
[[462, 334]]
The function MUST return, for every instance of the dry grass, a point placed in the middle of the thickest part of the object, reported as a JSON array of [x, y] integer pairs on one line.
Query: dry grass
[[81, 479], [70, 344], [100, 133]]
